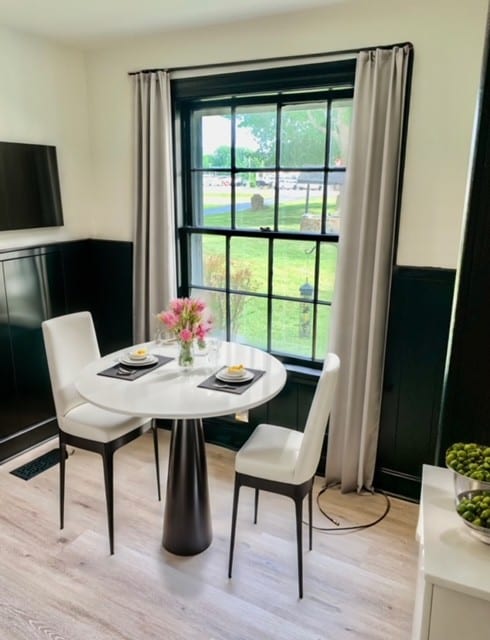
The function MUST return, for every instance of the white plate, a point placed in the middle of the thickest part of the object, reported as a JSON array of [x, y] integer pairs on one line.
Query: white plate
[[226, 377], [142, 362]]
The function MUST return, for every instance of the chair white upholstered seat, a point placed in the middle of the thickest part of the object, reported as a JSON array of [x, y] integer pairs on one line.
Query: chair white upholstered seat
[[71, 343], [88, 421], [284, 461]]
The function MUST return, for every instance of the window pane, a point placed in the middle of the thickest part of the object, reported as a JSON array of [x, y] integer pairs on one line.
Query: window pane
[[265, 180], [334, 193], [303, 135], [341, 116], [211, 138], [216, 303], [328, 266], [216, 200], [248, 320], [254, 207], [311, 182], [264, 166], [208, 261], [242, 181], [255, 135], [292, 205], [322, 331], [294, 267], [249, 264], [291, 327]]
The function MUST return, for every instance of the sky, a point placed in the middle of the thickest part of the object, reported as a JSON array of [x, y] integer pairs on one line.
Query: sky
[[216, 132]]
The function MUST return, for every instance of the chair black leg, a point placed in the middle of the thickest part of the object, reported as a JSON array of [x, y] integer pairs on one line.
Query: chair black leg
[[298, 503], [256, 505], [62, 483], [157, 457], [310, 515], [107, 457], [236, 491]]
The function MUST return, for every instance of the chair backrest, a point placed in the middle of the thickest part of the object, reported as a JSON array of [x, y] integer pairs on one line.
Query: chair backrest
[[71, 343], [316, 424]]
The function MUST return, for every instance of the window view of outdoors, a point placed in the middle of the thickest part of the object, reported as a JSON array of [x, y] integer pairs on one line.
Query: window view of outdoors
[[266, 207]]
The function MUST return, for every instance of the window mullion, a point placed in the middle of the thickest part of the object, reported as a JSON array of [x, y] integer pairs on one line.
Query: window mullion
[[227, 287], [233, 167], [316, 286], [327, 165], [276, 168], [270, 276]]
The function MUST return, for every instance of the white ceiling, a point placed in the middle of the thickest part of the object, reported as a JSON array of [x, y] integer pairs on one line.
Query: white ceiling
[[91, 22]]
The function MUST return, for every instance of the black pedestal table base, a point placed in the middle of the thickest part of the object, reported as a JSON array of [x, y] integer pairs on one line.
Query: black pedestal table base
[[187, 526]]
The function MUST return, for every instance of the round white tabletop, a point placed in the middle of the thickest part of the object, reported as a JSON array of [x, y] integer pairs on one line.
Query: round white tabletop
[[169, 392]]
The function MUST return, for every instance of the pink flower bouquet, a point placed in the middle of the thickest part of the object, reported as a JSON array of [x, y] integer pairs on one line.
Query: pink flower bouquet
[[188, 319]]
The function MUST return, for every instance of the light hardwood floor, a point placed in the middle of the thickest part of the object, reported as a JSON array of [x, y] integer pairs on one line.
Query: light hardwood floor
[[63, 585]]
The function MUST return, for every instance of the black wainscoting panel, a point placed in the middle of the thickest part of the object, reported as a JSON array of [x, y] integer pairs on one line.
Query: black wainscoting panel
[[111, 276], [35, 291], [227, 432], [290, 407], [79, 279], [42, 282], [9, 419], [420, 312]]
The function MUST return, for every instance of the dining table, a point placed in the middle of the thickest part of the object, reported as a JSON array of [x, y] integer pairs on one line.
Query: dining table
[[159, 388]]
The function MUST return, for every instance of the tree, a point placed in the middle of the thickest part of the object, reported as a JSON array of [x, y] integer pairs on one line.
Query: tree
[[240, 279], [221, 158], [303, 134]]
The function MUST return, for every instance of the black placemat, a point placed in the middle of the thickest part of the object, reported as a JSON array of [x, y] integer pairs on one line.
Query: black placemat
[[230, 387], [127, 372]]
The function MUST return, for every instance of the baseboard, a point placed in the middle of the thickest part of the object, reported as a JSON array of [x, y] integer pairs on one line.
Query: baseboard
[[27, 439], [397, 484]]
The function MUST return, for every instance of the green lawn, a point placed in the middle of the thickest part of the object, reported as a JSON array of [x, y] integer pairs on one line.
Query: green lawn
[[294, 264]]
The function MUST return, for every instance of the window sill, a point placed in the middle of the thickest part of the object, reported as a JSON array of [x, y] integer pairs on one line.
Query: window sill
[[302, 373]]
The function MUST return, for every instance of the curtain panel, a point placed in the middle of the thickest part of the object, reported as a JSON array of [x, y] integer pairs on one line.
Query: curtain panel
[[154, 235], [366, 244]]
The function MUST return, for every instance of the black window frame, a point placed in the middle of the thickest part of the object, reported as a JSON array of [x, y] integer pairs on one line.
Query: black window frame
[[327, 80]]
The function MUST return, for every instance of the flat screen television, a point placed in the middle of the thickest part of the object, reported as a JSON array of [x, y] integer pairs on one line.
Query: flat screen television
[[30, 194]]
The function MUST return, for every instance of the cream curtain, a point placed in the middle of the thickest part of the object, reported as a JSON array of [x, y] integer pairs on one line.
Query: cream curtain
[[360, 305], [154, 270]]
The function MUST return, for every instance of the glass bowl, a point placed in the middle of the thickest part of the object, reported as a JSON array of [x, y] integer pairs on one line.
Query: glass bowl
[[465, 483], [480, 533]]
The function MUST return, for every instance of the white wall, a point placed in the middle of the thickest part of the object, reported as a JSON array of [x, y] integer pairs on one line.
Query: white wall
[[448, 38], [43, 100]]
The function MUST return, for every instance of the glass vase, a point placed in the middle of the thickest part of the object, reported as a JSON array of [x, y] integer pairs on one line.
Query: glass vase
[[186, 355]]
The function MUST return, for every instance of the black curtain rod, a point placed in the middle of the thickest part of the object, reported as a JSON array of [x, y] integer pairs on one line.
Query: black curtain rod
[[281, 59]]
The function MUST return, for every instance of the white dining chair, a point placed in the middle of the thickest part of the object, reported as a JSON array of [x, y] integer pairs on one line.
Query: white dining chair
[[284, 461], [71, 343]]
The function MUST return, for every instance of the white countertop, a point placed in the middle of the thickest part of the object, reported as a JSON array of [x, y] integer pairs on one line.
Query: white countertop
[[168, 392], [452, 557]]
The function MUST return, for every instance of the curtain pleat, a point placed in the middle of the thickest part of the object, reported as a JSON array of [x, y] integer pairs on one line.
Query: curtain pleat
[[361, 299], [154, 236]]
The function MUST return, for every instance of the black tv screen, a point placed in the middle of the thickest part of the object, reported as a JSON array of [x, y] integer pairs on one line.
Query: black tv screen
[[29, 186]]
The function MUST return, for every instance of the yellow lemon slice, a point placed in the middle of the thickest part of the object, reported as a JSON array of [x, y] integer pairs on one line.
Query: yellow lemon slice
[[139, 354], [236, 370]]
